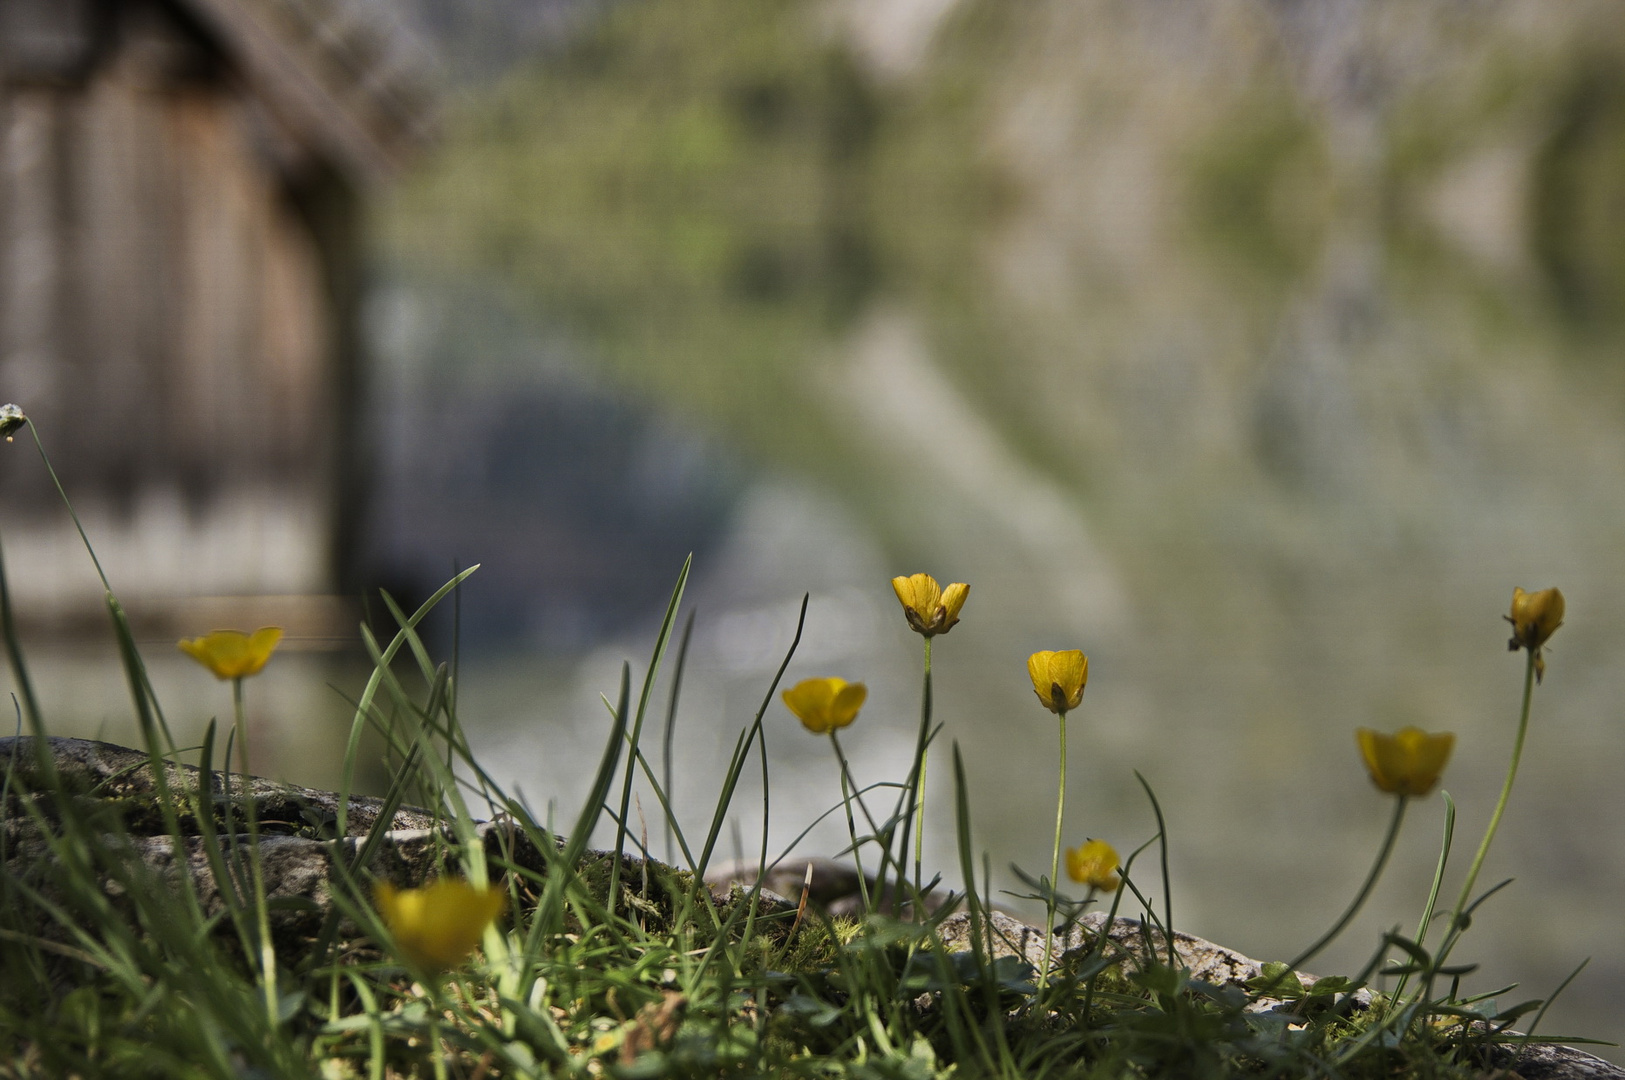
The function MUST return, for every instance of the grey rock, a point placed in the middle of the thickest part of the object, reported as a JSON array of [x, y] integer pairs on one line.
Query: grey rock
[[303, 860]]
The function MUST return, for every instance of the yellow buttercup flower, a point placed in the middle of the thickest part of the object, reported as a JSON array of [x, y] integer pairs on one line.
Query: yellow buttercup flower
[[437, 926], [929, 608], [1408, 762], [1535, 617], [1059, 678], [232, 654], [1094, 864], [823, 705]]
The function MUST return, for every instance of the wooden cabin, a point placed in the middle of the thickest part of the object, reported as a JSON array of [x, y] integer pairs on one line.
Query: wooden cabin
[[182, 186]]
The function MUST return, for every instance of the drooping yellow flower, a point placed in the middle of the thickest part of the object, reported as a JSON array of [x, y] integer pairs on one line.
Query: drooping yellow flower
[[929, 608], [1059, 678], [1535, 617], [1094, 864], [232, 654], [823, 705], [1408, 762], [437, 926]]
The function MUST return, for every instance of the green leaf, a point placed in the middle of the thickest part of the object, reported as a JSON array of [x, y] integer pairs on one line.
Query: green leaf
[[1279, 981]]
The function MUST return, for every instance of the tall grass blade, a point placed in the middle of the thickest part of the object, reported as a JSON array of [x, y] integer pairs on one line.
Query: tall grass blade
[[349, 871], [671, 730], [226, 884], [661, 641], [977, 913], [1167, 890], [1540, 1014], [736, 763], [14, 655], [1438, 879], [563, 882], [597, 798], [1438, 871], [674, 832], [364, 703]]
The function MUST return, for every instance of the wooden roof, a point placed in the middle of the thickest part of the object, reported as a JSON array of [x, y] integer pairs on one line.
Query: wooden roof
[[342, 80], [346, 74]]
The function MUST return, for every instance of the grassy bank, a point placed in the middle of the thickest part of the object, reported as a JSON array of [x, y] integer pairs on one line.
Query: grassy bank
[[567, 961]]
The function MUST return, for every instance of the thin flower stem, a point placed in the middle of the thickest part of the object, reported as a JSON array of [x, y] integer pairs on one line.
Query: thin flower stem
[[851, 826], [1458, 916], [256, 867], [913, 799], [1105, 927], [1400, 803], [1500, 808], [435, 1044], [1426, 921], [60, 490], [919, 789], [1054, 863]]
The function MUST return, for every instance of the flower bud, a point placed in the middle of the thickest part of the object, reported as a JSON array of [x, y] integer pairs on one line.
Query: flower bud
[[1535, 617], [11, 418], [1059, 678]]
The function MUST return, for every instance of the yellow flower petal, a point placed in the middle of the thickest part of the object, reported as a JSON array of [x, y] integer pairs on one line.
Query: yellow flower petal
[[436, 927], [1094, 864], [823, 705], [1407, 762], [232, 654], [929, 608], [1058, 678]]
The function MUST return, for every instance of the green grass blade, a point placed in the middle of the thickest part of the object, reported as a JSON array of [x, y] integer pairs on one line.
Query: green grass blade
[[671, 729], [14, 655], [364, 703], [1167, 890], [597, 798], [1540, 1014], [977, 913], [736, 764], [661, 641]]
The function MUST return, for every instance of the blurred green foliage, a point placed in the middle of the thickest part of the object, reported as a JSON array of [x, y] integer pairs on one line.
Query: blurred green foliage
[[712, 194], [704, 190]]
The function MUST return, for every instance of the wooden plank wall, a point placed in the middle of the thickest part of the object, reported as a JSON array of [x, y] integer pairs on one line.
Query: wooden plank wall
[[164, 313]]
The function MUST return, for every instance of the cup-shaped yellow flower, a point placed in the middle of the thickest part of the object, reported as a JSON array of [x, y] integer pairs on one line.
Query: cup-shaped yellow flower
[[437, 926], [1059, 678], [1094, 864], [929, 608], [232, 654], [823, 705], [1408, 762], [1535, 617]]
